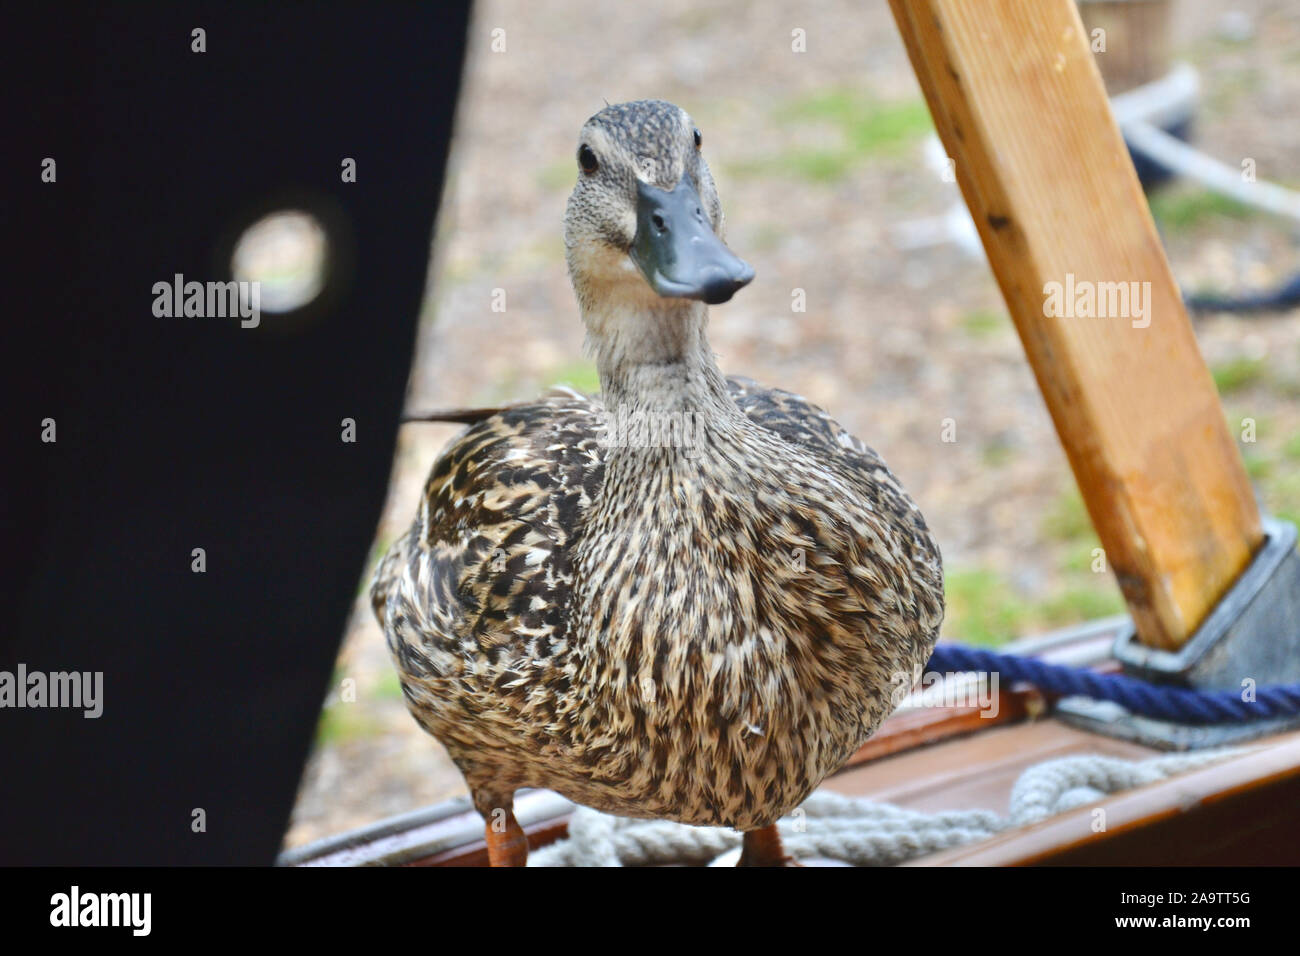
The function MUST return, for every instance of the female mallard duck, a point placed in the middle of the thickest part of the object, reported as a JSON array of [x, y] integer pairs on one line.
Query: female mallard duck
[[691, 597]]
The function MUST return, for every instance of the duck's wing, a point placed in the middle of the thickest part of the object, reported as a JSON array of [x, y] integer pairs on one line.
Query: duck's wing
[[807, 426], [485, 568], [799, 421]]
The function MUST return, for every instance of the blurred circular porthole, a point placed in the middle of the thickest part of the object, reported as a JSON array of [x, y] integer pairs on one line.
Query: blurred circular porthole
[[286, 253]]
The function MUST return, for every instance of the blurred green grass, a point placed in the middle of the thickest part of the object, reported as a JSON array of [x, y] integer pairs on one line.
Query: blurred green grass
[[865, 129], [1183, 208]]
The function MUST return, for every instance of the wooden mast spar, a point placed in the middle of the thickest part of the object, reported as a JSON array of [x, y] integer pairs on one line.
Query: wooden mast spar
[[1020, 106]]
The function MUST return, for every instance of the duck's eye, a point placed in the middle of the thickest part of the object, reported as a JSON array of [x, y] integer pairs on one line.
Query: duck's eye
[[699, 139], [587, 159]]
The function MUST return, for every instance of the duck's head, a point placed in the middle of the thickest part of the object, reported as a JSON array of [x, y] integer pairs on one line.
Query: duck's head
[[643, 227]]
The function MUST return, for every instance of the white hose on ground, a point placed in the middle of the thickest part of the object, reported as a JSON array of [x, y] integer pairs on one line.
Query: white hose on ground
[[1176, 156]]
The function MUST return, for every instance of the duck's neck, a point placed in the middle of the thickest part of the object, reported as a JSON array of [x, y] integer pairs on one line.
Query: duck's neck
[[656, 358]]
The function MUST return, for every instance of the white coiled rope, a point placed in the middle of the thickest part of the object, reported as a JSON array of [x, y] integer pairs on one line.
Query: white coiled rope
[[861, 832]]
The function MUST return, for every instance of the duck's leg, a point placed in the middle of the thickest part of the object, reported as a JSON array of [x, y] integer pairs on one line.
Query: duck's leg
[[507, 844], [763, 848]]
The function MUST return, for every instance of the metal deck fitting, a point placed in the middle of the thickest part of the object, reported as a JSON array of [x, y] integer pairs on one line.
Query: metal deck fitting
[[1250, 639]]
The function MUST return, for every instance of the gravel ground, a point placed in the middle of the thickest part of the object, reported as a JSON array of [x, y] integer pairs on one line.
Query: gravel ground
[[818, 157]]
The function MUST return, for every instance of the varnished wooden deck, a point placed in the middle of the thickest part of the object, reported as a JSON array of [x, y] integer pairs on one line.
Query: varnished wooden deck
[[974, 772]]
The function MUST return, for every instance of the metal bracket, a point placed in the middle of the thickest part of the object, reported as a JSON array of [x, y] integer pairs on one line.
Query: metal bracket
[[1253, 633]]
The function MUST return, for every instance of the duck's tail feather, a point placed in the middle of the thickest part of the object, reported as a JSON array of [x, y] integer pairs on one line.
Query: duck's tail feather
[[462, 416], [469, 416]]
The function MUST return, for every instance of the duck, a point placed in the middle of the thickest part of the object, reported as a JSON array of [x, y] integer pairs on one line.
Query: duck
[[689, 597]]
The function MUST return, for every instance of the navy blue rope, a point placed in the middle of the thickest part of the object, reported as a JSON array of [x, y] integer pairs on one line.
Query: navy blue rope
[[1178, 704]]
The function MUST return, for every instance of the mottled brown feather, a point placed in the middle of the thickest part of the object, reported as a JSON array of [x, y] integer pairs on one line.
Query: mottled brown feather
[[700, 637]]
